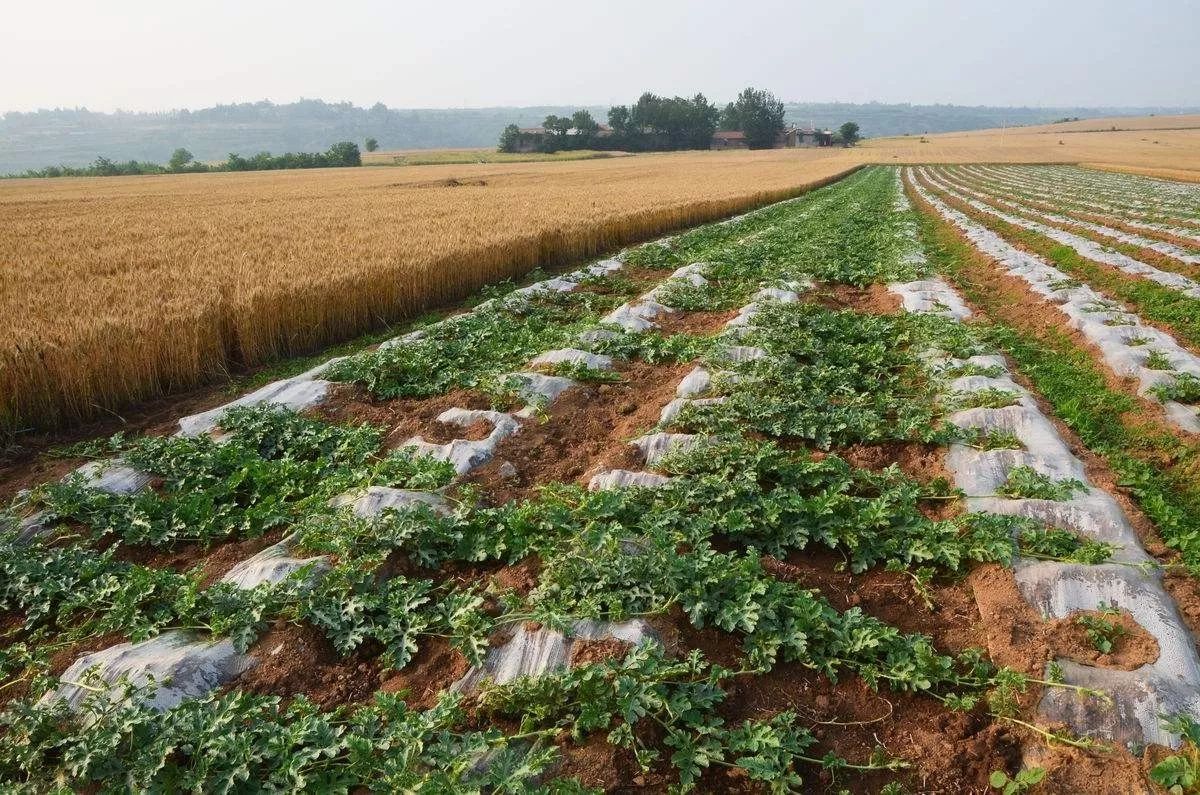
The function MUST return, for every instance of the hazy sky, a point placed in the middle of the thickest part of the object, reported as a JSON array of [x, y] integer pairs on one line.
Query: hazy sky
[[143, 55]]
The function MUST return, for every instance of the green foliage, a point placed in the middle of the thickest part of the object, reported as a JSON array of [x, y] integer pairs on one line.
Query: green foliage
[[340, 155], [180, 158], [1157, 360], [371, 144], [1102, 633], [834, 378], [1185, 388], [1056, 544], [1026, 779], [1179, 773], [989, 398], [579, 371], [848, 133], [758, 114], [276, 467], [221, 742], [655, 348], [498, 336], [993, 439], [1027, 483], [680, 698]]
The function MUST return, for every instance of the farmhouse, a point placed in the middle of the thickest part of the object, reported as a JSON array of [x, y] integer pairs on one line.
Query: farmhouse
[[804, 137], [790, 138], [728, 139]]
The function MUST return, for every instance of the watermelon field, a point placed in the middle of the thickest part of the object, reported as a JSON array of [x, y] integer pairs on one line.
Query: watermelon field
[[891, 487]]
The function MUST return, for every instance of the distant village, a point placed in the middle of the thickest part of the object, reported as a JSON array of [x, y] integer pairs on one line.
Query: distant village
[[755, 120], [538, 139]]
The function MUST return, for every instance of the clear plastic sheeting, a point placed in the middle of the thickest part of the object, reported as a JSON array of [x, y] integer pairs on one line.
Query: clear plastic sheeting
[[624, 479], [931, 296], [636, 316], [113, 476], [1083, 246], [176, 664], [374, 500], [274, 565], [537, 390], [655, 446], [297, 393], [532, 653], [467, 454], [671, 411], [573, 356], [697, 382]]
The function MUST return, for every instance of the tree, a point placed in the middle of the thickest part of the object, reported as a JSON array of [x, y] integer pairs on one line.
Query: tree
[[585, 125], [759, 115], [179, 159], [371, 144], [557, 125], [344, 153], [618, 119], [848, 133], [508, 138]]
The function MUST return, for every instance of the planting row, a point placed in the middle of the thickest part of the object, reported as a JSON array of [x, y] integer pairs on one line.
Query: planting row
[[1088, 238], [1165, 371], [1173, 207]]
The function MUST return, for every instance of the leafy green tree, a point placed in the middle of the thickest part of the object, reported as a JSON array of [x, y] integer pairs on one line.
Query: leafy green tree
[[557, 125], [586, 126], [344, 153], [618, 119], [848, 133], [179, 159], [758, 114], [685, 123], [371, 144], [508, 138]]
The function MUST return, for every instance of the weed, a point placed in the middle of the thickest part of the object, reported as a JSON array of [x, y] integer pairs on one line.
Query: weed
[[1027, 483]]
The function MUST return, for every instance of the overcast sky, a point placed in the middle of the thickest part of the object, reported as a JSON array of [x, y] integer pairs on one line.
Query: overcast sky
[[159, 54]]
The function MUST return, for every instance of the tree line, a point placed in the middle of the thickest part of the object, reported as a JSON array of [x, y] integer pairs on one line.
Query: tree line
[[340, 155], [657, 123]]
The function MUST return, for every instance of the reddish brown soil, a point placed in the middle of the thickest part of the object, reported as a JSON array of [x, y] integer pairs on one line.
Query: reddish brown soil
[[436, 666], [403, 418], [297, 658], [694, 323], [1021, 639], [600, 765], [26, 464], [873, 299], [586, 430], [949, 751], [1135, 648], [922, 462], [590, 652], [953, 622]]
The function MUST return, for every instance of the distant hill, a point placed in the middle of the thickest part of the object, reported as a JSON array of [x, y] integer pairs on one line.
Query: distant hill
[[78, 136]]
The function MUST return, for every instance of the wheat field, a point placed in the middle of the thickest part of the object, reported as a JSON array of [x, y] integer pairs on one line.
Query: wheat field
[[118, 289], [121, 288]]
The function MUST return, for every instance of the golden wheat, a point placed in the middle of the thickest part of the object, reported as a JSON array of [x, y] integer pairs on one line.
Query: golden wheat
[[118, 289]]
